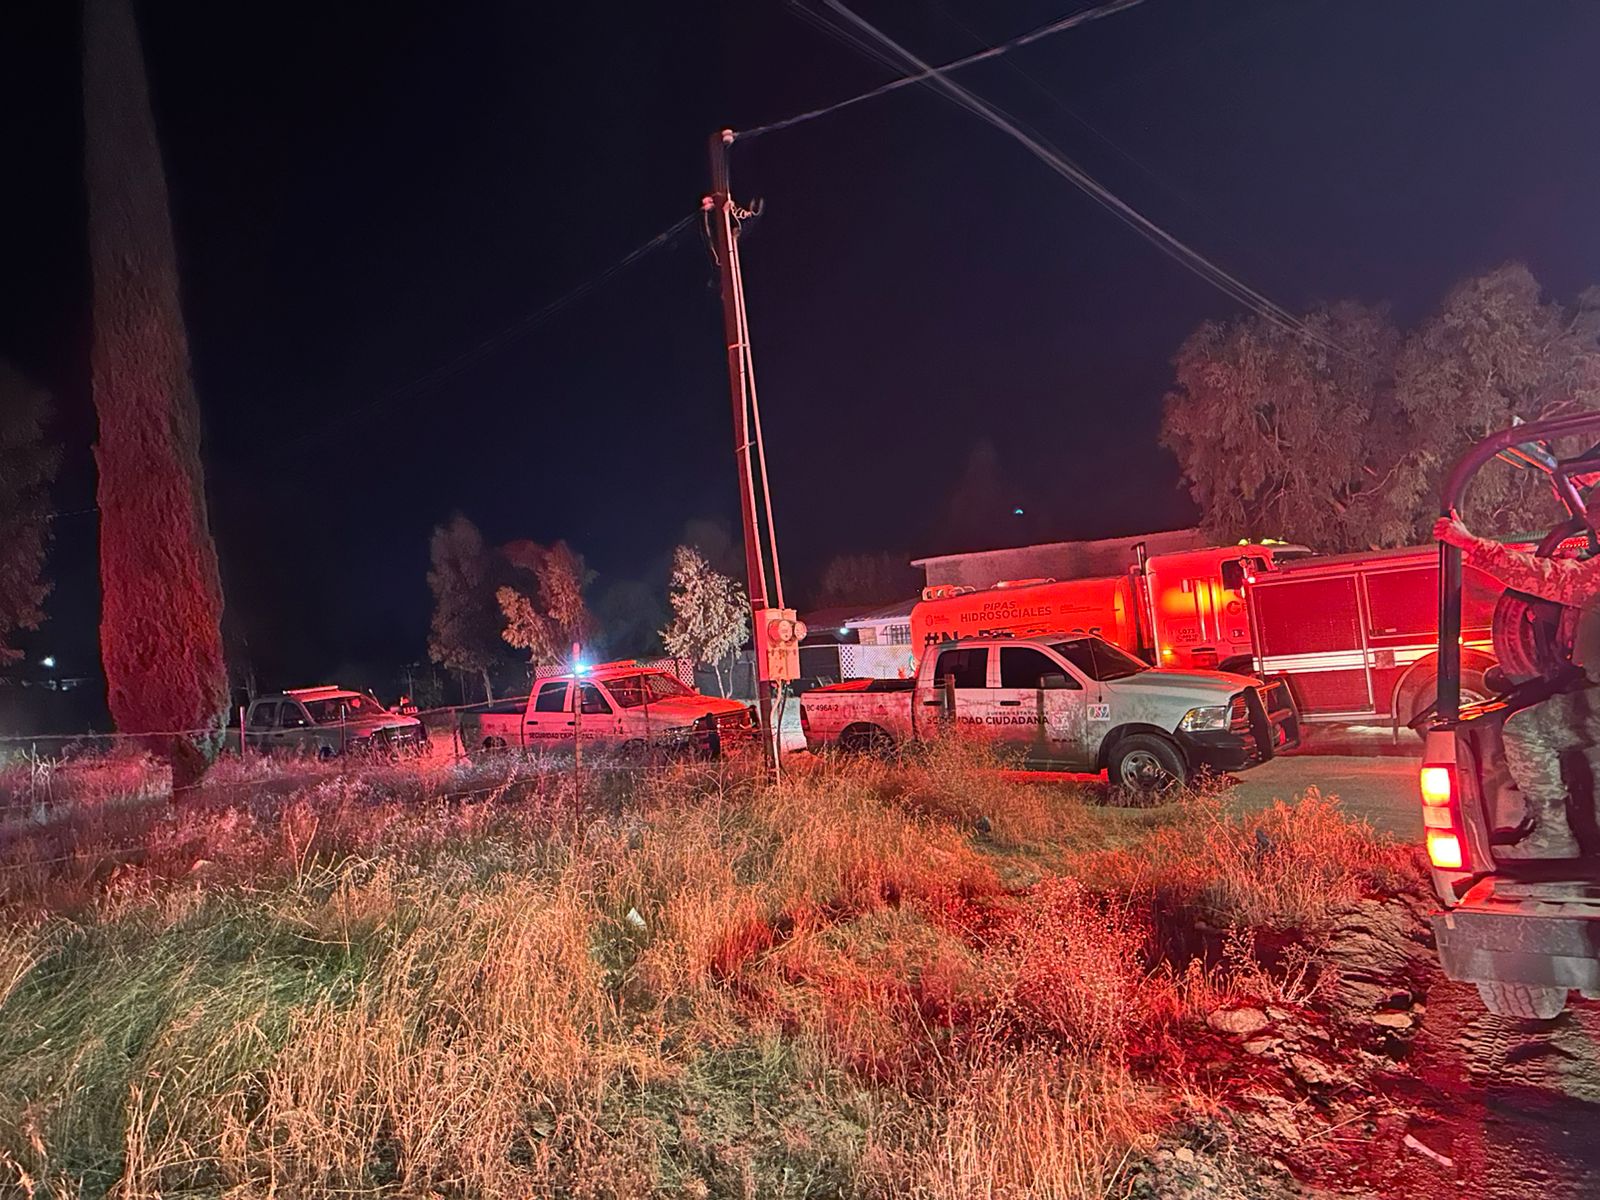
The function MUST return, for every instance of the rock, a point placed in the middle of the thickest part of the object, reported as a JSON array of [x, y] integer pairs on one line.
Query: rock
[[1262, 1045], [1183, 1154], [1393, 1020], [1277, 1014], [1238, 1020], [1312, 1070]]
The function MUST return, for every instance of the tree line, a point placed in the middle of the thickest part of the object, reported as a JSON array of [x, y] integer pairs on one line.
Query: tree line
[[1340, 438]]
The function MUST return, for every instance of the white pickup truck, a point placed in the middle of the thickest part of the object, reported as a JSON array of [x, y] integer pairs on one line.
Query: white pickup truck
[[1068, 703], [620, 705]]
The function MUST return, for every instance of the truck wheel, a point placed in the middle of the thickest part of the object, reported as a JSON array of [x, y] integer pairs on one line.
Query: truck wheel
[[325, 752], [865, 739], [1523, 1002], [1144, 762], [494, 745]]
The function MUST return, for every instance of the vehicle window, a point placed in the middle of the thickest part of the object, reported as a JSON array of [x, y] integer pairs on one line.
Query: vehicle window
[[969, 665], [552, 698], [629, 691], [1023, 667], [662, 686], [291, 716], [343, 708], [594, 704], [1099, 659], [263, 715]]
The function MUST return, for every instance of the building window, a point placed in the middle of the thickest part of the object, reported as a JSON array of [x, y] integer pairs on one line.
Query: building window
[[898, 635]]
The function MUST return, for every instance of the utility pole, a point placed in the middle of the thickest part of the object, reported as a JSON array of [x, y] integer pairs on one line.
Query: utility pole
[[723, 219]]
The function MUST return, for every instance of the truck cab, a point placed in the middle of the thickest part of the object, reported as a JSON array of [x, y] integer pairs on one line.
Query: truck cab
[[623, 705]]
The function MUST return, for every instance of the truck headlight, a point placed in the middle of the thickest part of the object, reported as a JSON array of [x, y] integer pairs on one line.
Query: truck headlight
[[1205, 720]]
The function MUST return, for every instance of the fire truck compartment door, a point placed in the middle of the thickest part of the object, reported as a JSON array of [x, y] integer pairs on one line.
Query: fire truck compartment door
[[1312, 631]]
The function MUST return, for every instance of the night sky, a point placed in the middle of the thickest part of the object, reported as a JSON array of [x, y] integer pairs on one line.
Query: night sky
[[362, 194]]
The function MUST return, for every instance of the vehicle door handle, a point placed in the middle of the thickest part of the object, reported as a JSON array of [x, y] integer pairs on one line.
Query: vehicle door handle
[[1010, 703], [933, 704]]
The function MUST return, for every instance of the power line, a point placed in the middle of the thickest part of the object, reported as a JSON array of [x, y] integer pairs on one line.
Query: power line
[[926, 73], [1185, 255]]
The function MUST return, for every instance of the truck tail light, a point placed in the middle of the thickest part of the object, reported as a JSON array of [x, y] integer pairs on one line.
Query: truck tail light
[[1440, 816], [805, 722], [1444, 850], [1437, 785]]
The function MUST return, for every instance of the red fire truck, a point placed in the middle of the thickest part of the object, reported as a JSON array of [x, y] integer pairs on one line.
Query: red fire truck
[[1356, 634], [1174, 610]]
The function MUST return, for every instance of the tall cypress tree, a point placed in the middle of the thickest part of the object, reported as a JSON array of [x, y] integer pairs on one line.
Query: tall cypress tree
[[161, 616]]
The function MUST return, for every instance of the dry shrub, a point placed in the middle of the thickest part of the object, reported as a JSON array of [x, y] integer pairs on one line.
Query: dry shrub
[[1287, 867], [1034, 1125], [1075, 966]]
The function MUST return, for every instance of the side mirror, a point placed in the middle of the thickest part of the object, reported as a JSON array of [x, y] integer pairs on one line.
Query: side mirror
[[1054, 683]]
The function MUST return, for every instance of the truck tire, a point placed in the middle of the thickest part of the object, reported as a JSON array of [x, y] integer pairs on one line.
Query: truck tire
[[866, 739], [493, 745], [1522, 1001], [1147, 763]]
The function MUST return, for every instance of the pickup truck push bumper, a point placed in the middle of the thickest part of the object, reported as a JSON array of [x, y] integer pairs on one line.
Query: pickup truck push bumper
[[1262, 721]]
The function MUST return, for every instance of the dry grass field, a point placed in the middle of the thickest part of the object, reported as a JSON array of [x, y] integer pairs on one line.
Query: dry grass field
[[918, 978]]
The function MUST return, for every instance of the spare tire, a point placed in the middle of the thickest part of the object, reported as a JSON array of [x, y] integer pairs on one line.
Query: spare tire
[[1532, 637]]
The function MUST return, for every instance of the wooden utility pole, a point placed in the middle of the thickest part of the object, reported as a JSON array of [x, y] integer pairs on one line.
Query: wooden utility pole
[[723, 219]]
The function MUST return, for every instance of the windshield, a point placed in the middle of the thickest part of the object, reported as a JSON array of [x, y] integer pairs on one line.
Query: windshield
[[343, 708], [1099, 659], [632, 691]]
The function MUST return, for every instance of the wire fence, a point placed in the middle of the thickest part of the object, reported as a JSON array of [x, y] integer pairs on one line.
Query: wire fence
[[577, 791]]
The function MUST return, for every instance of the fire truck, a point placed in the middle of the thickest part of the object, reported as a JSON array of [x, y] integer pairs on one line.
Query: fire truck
[[1351, 634], [1356, 634], [1183, 610]]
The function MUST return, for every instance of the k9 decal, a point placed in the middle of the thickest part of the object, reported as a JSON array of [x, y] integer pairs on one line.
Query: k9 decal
[[1099, 712]]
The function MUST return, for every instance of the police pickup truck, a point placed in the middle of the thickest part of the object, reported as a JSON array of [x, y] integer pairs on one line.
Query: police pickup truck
[[1066, 703], [618, 705]]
